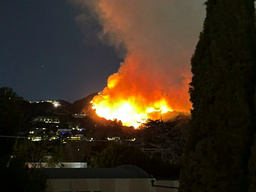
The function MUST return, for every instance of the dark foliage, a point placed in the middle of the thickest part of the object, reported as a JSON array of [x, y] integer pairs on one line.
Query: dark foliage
[[222, 91], [14, 177], [166, 137], [11, 119], [117, 154]]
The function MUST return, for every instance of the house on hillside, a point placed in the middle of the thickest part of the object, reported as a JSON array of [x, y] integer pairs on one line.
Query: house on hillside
[[45, 119]]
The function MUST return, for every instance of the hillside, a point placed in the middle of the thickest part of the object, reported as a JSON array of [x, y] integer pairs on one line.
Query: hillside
[[82, 105]]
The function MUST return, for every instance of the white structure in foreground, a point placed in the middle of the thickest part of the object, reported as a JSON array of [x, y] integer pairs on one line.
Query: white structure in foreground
[[121, 179]]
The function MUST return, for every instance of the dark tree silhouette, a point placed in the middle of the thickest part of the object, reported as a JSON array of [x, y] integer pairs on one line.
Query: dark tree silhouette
[[117, 154], [14, 177], [11, 119], [222, 91]]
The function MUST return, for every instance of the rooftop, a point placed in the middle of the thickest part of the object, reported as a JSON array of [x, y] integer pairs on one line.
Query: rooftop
[[124, 171]]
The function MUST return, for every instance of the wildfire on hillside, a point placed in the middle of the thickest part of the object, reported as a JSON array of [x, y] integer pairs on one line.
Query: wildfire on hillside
[[131, 111], [133, 98], [153, 81]]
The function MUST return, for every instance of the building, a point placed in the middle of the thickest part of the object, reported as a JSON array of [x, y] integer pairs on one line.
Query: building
[[79, 115], [45, 119], [125, 178], [58, 165]]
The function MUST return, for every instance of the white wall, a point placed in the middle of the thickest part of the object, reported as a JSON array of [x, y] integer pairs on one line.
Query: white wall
[[109, 185]]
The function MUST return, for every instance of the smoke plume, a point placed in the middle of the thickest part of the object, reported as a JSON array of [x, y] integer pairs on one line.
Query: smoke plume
[[159, 38]]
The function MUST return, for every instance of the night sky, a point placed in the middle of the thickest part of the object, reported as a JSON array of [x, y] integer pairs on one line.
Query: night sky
[[44, 54]]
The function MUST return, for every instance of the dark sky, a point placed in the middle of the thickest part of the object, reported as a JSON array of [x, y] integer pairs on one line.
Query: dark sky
[[45, 55]]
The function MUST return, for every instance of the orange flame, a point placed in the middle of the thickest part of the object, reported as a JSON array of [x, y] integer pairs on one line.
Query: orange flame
[[155, 75], [133, 96], [129, 110]]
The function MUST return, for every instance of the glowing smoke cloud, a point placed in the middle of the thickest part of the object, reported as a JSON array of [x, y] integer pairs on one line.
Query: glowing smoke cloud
[[159, 38]]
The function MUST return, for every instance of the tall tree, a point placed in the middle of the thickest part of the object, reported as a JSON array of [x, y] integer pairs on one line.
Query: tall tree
[[222, 91], [11, 119]]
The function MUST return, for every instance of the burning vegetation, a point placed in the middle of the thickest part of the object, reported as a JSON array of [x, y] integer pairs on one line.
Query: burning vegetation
[[153, 80], [135, 94], [128, 111]]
